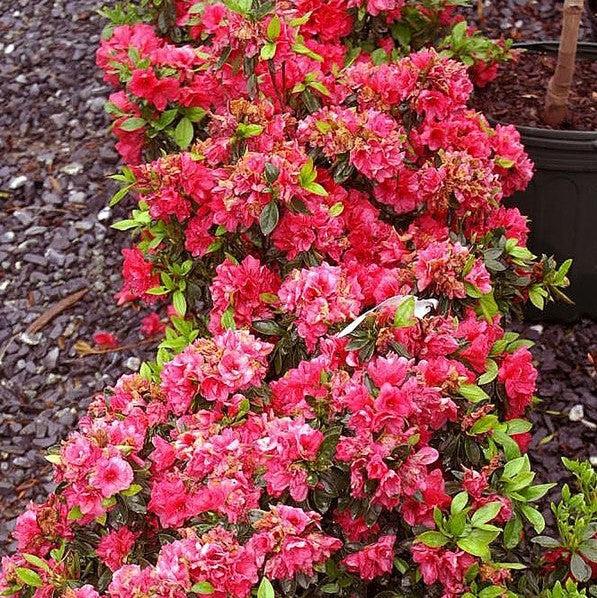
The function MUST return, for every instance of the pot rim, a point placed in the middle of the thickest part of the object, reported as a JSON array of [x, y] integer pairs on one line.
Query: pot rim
[[584, 49]]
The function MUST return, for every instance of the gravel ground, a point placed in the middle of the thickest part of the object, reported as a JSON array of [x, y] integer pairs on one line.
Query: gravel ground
[[54, 237], [55, 240]]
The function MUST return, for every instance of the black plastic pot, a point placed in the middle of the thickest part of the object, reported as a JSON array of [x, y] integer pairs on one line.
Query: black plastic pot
[[561, 201]]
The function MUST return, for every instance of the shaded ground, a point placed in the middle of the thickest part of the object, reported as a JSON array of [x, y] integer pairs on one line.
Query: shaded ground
[[55, 240]]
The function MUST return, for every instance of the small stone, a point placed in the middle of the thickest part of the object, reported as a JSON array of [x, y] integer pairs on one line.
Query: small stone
[[35, 230], [104, 214], [9, 49], [33, 258], [73, 168], [51, 358], [133, 364], [577, 413], [54, 257], [7, 237], [84, 225], [593, 460], [25, 218], [30, 339], [18, 182]]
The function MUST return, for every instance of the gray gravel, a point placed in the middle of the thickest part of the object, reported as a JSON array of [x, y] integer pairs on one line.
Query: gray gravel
[[56, 153]]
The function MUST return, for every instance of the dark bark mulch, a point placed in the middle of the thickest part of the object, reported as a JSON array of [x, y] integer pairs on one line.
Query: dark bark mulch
[[517, 96], [525, 20], [565, 420]]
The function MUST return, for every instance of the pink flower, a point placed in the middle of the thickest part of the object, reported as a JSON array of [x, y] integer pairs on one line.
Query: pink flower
[[519, 376], [479, 278], [138, 276], [319, 298], [86, 591], [112, 475], [151, 325], [374, 560], [114, 547], [144, 84], [248, 289]]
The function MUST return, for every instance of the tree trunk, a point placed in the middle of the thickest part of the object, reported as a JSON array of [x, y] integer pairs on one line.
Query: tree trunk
[[558, 91]]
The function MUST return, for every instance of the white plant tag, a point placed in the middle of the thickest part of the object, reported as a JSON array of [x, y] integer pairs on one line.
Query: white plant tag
[[422, 308]]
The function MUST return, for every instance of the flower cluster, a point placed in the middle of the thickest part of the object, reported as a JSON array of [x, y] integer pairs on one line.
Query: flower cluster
[[336, 406]]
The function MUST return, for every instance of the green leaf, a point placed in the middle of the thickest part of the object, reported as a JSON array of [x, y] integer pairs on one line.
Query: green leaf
[[320, 87], [515, 466], [269, 298], [268, 51], [534, 517], [486, 513], [268, 328], [518, 426], [29, 577], [75, 513], [330, 588], [203, 587], [580, 568], [488, 306], [36, 562], [404, 316], [269, 217], [132, 490], [316, 189], [433, 539], [183, 134], [53, 458], [511, 449], [402, 33], [484, 424], [271, 173], [490, 374], [274, 28], [300, 48], [119, 195], [242, 7], [589, 550], [513, 532], [561, 274], [125, 225], [133, 124], [474, 547], [195, 114], [265, 589], [459, 502], [227, 319], [545, 542], [165, 119], [473, 393], [180, 303], [246, 131]]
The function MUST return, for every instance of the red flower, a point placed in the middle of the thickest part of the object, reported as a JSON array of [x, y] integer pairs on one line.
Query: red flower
[[105, 340]]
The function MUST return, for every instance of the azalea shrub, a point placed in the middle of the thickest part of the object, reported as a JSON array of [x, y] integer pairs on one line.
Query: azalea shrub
[[337, 406]]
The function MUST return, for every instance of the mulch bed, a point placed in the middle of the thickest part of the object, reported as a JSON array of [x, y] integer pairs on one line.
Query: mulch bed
[[565, 420], [517, 96], [529, 20]]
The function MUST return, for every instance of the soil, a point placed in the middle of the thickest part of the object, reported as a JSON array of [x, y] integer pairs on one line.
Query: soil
[[526, 20], [518, 94]]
